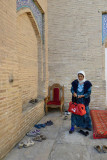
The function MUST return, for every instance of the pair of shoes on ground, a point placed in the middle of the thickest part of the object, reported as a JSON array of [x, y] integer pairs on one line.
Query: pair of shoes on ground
[[39, 126], [67, 113], [49, 123], [30, 142], [39, 138], [80, 131], [83, 132], [26, 144], [33, 101], [101, 149], [33, 133]]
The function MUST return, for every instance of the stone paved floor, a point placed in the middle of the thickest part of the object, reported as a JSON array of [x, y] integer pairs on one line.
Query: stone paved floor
[[60, 145]]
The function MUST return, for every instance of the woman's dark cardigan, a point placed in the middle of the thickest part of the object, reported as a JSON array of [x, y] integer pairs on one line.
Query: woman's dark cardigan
[[87, 85]]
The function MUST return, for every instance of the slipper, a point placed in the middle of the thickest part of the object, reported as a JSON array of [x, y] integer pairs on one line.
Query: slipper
[[65, 118], [49, 123], [84, 133], [33, 101], [37, 126], [98, 148], [43, 125], [33, 133], [87, 133], [28, 143], [43, 137], [38, 138], [36, 100], [67, 113], [104, 148], [20, 145], [40, 126]]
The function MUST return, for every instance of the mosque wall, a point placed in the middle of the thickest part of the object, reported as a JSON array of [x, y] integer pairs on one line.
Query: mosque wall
[[23, 68], [76, 43]]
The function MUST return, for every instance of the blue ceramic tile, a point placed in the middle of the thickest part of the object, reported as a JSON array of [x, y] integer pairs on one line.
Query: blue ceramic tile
[[39, 17], [104, 27]]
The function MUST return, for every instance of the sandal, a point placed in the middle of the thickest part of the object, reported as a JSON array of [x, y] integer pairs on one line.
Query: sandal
[[20, 145], [67, 113], [40, 126], [33, 133], [104, 148], [65, 118], [43, 125], [37, 126], [38, 138], [33, 101], [87, 133], [98, 148], [49, 123], [28, 143], [84, 133], [43, 137]]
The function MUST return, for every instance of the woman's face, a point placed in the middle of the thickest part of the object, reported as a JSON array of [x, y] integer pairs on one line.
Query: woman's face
[[80, 77]]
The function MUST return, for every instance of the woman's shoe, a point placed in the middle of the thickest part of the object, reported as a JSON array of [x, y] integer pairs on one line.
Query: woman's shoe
[[28, 143], [38, 126], [20, 145], [65, 118], [71, 130], [104, 148], [49, 123], [84, 133], [98, 148], [43, 137], [33, 133], [38, 138]]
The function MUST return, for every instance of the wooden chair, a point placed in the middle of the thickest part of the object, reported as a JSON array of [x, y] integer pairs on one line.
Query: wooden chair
[[55, 97]]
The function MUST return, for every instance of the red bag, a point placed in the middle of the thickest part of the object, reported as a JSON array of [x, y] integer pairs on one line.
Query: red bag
[[78, 109]]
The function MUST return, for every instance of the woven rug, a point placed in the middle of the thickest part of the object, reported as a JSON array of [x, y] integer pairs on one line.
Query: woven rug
[[99, 122]]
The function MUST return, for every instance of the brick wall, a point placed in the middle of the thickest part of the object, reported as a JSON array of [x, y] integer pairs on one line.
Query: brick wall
[[28, 58], [75, 43], [23, 73]]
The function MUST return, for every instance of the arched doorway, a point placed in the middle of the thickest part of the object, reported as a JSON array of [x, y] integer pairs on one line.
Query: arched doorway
[[29, 50]]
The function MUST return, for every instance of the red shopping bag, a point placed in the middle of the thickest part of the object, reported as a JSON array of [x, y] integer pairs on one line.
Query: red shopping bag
[[78, 109]]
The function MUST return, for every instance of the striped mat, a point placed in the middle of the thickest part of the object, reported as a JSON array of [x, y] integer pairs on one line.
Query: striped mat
[[99, 122]]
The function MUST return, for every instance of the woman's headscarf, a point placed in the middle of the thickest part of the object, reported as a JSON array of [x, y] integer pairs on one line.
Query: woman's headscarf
[[83, 73]]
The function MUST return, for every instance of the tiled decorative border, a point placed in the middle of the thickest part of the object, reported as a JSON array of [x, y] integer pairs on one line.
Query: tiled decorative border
[[104, 27], [39, 17]]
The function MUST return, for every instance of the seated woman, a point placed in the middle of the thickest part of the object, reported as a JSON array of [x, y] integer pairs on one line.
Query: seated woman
[[81, 91]]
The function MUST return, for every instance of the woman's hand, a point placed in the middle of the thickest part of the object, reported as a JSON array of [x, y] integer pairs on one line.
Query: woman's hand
[[75, 95], [81, 96]]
